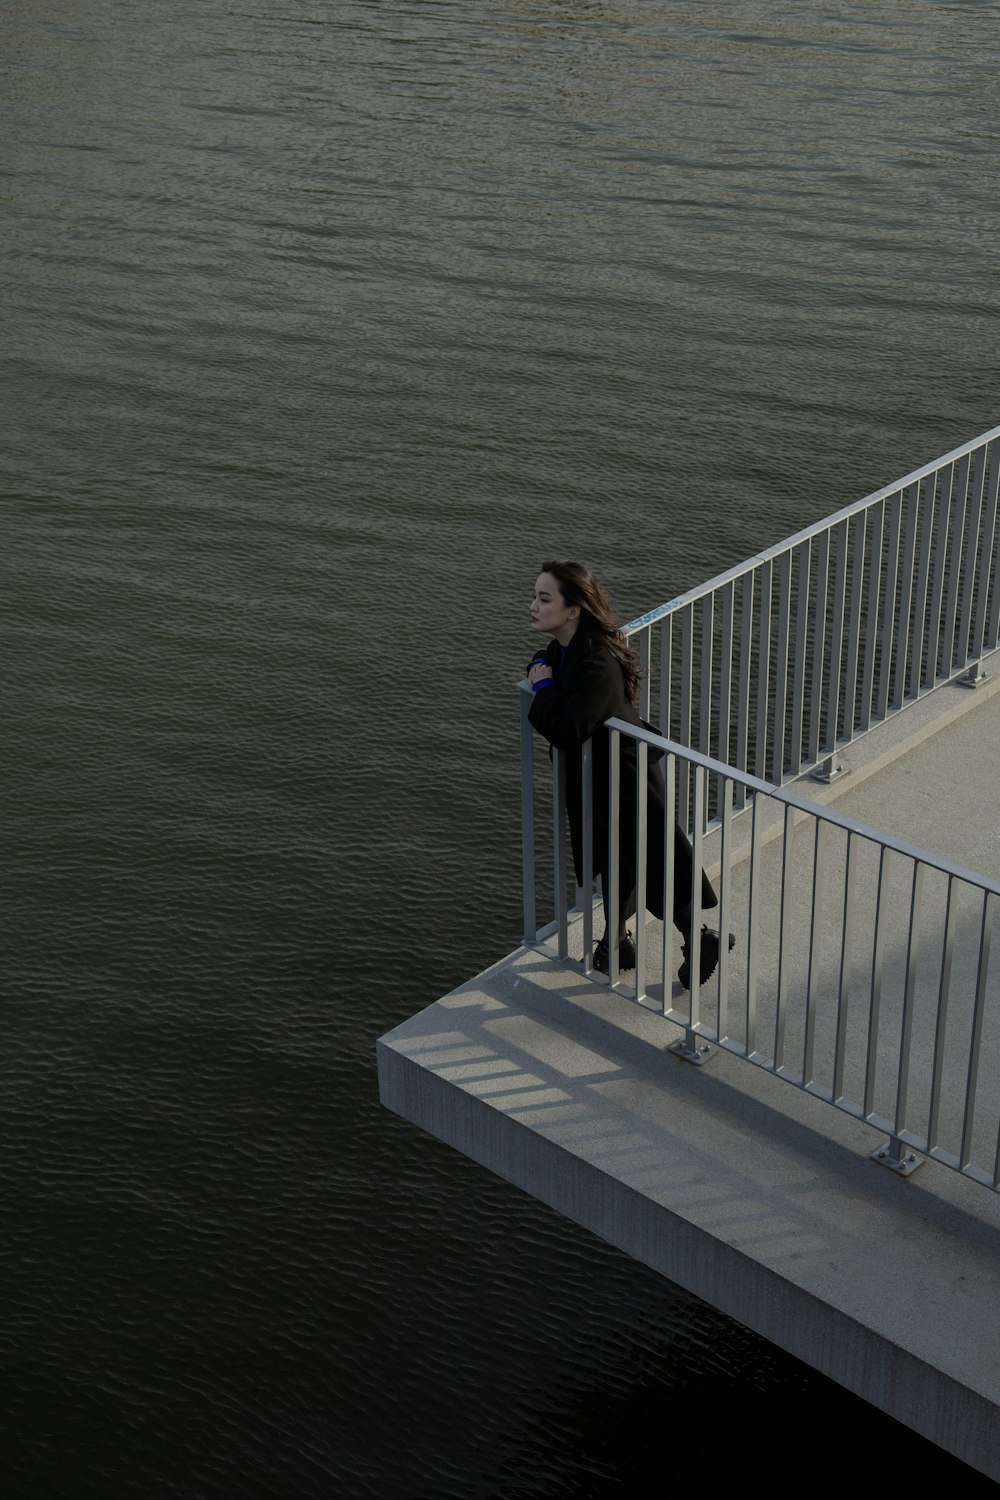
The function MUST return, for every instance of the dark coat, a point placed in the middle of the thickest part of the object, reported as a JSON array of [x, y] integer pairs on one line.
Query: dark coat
[[588, 689]]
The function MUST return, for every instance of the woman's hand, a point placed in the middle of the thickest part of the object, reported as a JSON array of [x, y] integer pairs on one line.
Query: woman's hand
[[539, 673]]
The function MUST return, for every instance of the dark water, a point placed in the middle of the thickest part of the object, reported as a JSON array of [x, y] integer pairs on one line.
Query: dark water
[[323, 324]]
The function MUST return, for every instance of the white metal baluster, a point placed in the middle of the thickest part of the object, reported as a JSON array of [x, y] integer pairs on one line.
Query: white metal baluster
[[667, 677], [820, 623], [755, 896], [921, 677], [842, 535], [988, 556], [587, 853], [707, 647], [642, 759], [778, 775], [972, 1081], [614, 853], [905, 639], [846, 960], [940, 564], [669, 817], [724, 904], [645, 654], [941, 1023], [784, 929], [527, 823], [799, 658], [857, 570], [993, 628], [909, 989], [559, 849], [763, 669], [887, 642], [684, 731], [872, 612], [948, 661], [820, 832], [875, 1000], [726, 596], [746, 656], [695, 939], [963, 647]]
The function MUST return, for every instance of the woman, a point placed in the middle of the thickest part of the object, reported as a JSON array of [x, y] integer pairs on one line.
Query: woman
[[587, 675]]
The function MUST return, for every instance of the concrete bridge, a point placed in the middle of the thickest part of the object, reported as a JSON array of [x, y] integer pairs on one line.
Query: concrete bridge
[[753, 1195]]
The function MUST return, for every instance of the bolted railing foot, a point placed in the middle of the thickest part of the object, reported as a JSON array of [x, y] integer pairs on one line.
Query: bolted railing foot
[[831, 768], [895, 1156], [689, 1049], [973, 677]]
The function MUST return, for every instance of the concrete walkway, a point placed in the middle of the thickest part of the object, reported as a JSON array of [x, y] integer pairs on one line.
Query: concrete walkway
[[751, 1193]]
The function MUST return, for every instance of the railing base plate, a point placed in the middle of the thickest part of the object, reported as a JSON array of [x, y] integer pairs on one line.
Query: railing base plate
[[972, 678], [697, 1053], [829, 770], [902, 1165]]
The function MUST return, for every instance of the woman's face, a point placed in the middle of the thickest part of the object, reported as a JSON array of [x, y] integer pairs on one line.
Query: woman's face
[[550, 612]]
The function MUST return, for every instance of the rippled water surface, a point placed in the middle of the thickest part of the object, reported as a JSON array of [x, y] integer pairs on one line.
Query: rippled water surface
[[323, 324]]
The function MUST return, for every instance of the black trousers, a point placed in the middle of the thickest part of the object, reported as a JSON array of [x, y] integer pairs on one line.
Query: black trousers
[[683, 862]]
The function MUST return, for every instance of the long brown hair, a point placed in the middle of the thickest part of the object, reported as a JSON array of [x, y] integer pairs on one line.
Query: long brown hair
[[578, 585]]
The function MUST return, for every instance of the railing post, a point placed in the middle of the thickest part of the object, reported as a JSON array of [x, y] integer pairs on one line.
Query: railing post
[[613, 892], [691, 1048], [642, 758], [779, 707], [527, 821], [987, 572], [587, 889], [830, 769], [645, 670], [973, 676], [743, 700], [897, 1158], [979, 1017], [725, 901], [669, 819], [559, 849]]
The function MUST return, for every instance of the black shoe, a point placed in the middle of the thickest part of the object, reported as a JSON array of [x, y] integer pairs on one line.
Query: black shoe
[[708, 957], [626, 954]]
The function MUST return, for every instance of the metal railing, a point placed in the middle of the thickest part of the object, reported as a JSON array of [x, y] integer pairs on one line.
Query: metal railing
[[760, 676], [863, 970], [778, 664]]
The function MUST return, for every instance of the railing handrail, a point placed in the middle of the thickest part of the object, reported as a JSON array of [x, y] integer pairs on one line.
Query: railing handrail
[[805, 804], [778, 549]]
